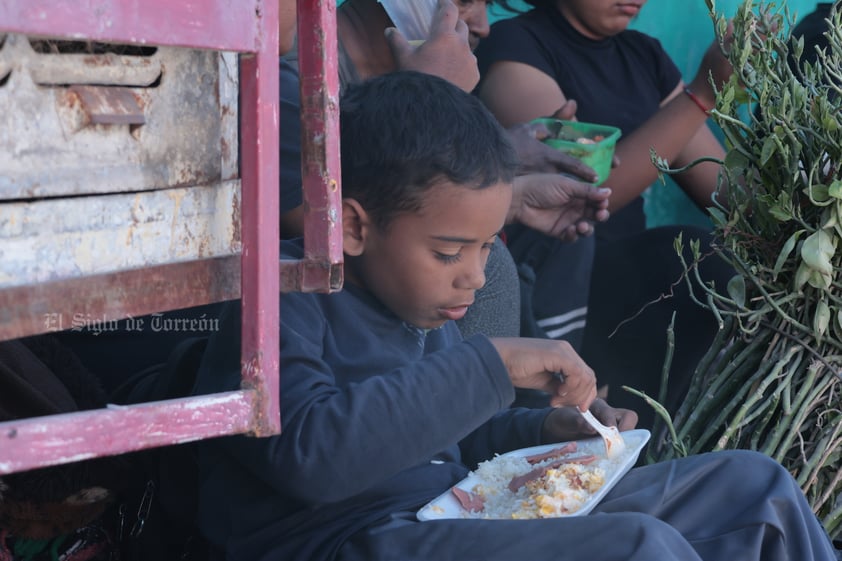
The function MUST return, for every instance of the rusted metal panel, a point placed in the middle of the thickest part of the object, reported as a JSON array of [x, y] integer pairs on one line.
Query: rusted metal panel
[[229, 123], [222, 25], [63, 238], [54, 306], [62, 68], [52, 146], [259, 101], [321, 175], [72, 437], [108, 106]]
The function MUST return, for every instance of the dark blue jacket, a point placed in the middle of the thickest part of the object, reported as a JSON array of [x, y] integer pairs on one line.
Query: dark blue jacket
[[377, 417]]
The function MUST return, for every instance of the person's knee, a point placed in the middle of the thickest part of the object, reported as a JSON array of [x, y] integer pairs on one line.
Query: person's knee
[[748, 469], [650, 538]]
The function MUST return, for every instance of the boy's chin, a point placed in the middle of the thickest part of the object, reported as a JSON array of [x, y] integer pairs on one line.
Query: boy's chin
[[428, 324]]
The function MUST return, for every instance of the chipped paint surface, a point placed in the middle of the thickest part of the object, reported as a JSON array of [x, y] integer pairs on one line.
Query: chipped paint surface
[[58, 439], [108, 123], [60, 238]]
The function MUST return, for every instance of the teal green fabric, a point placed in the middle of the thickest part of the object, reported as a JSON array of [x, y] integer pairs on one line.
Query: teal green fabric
[[685, 30]]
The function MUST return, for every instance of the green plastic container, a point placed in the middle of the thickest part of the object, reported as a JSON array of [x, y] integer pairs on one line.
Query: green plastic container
[[593, 144]]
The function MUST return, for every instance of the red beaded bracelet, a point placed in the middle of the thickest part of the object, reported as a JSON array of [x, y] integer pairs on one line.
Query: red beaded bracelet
[[696, 100]]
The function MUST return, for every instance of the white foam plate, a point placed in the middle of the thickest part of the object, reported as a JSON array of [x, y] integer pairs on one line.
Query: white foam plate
[[446, 506]]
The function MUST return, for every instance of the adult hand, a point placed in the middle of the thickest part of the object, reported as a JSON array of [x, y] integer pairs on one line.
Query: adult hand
[[537, 157], [536, 364], [566, 423], [558, 205], [446, 52]]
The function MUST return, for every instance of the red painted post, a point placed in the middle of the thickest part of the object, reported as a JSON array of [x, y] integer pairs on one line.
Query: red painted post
[[321, 177], [260, 283]]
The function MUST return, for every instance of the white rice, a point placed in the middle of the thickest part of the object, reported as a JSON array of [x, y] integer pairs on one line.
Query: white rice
[[549, 496]]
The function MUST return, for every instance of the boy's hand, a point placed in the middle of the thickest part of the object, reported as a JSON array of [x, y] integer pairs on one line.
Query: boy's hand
[[566, 423], [535, 363], [557, 205], [446, 52]]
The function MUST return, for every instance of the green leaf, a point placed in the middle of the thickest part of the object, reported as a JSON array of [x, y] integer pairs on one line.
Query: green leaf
[[802, 275], [737, 290], [769, 147], [819, 280], [817, 251], [835, 189], [717, 216], [789, 245], [780, 214], [819, 194], [736, 160], [829, 218], [821, 319]]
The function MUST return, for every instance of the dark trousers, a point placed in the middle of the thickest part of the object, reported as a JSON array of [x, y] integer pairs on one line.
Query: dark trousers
[[734, 506]]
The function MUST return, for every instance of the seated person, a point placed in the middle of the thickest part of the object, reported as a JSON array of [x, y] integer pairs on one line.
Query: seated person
[[384, 405], [555, 204], [617, 303]]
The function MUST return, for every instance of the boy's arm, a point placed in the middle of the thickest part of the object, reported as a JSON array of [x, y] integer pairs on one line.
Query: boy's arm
[[338, 441]]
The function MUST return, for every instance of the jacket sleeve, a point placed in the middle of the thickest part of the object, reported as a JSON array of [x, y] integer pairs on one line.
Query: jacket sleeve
[[508, 430], [337, 441]]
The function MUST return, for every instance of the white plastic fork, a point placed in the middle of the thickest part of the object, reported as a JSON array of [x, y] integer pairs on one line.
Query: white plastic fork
[[614, 443]]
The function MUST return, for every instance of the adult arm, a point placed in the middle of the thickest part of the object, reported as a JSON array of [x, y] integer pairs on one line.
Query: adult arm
[[341, 438], [517, 92]]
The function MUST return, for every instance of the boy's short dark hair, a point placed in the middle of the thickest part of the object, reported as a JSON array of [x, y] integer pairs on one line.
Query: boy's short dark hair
[[403, 132]]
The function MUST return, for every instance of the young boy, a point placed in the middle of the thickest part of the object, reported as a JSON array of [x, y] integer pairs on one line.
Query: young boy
[[384, 407]]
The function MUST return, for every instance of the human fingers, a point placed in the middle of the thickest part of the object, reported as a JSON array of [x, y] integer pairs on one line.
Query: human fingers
[[537, 157], [584, 228], [566, 112], [575, 384], [401, 48], [564, 424], [538, 131], [463, 31], [623, 419], [565, 163], [539, 364], [445, 19], [446, 53], [578, 393]]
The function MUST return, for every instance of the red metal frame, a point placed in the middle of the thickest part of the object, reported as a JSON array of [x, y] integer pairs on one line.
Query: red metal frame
[[249, 27]]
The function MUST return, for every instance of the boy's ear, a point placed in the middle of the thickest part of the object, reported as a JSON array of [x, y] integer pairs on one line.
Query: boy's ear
[[355, 225]]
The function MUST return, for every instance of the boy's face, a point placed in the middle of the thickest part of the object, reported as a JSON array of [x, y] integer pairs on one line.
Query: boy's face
[[427, 265]]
